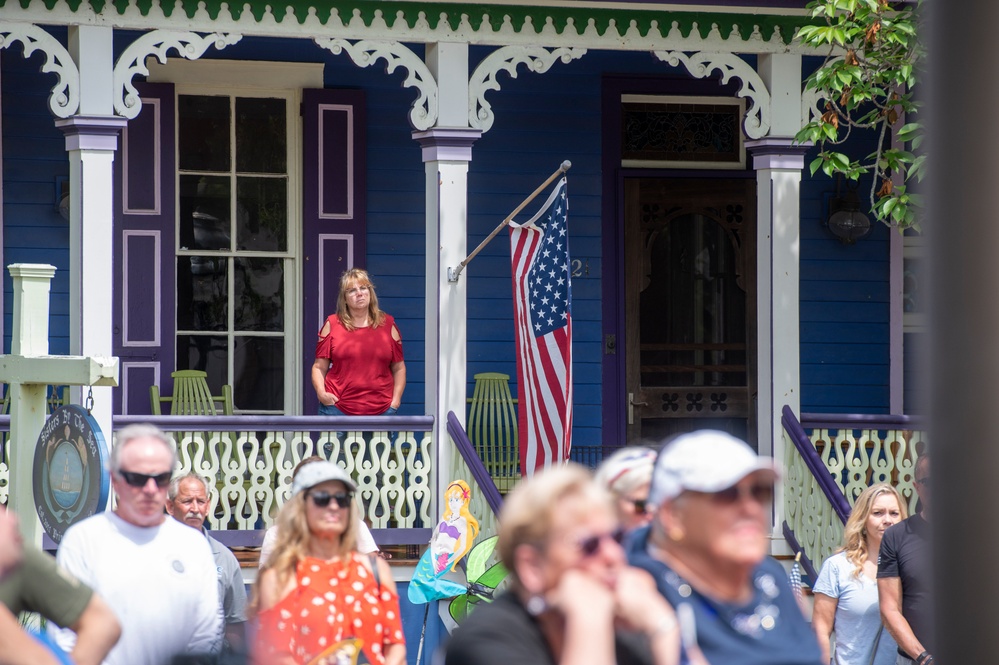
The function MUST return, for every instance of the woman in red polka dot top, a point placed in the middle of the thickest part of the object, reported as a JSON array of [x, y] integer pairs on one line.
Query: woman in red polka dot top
[[318, 600]]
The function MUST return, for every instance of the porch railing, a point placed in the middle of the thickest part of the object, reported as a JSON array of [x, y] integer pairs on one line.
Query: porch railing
[[851, 452], [251, 459]]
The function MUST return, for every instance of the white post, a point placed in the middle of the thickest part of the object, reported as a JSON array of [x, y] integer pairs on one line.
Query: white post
[[27, 401], [91, 141]]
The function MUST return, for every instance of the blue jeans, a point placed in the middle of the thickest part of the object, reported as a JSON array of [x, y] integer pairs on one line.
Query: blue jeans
[[330, 410]]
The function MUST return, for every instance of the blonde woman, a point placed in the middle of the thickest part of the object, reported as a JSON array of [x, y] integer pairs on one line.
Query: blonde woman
[[457, 529], [846, 591], [628, 475], [359, 368], [318, 599]]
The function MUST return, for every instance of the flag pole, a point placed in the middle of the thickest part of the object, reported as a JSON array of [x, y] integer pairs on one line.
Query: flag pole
[[453, 273]]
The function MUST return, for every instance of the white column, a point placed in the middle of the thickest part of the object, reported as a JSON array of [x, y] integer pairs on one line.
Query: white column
[[778, 165], [91, 141]]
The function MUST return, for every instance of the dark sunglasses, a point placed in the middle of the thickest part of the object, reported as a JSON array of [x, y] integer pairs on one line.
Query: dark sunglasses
[[641, 505], [140, 479], [761, 492], [322, 499], [591, 545]]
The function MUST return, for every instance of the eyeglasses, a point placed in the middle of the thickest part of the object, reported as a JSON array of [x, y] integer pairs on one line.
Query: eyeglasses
[[140, 479], [322, 499], [762, 493], [641, 505], [591, 544]]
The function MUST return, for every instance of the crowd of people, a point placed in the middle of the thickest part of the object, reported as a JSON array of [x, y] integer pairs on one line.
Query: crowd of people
[[660, 558]]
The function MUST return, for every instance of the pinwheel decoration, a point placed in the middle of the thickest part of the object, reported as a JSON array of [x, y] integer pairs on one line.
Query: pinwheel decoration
[[481, 581]]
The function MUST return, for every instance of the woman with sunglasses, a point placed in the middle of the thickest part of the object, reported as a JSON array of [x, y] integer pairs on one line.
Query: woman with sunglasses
[[317, 598], [628, 474], [572, 598], [846, 591], [707, 548]]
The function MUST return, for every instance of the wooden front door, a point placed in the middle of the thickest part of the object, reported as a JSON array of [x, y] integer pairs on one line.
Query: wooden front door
[[690, 280]]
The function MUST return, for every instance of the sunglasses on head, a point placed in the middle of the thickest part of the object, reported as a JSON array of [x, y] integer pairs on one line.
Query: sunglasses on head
[[140, 479], [591, 544], [322, 499], [760, 492]]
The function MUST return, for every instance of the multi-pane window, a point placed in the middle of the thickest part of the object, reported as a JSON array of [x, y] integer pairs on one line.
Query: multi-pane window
[[233, 259]]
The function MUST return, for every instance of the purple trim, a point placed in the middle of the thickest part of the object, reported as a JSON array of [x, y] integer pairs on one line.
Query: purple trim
[[862, 421], [278, 423], [91, 132], [814, 463], [778, 153], [806, 563], [475, 465], [614, 375], [447, 143], [323, 178]]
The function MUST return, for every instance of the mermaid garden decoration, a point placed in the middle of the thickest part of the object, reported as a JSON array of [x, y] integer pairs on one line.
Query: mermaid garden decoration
[[451, 540]]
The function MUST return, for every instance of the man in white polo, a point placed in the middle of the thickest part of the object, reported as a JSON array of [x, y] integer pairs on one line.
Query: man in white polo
[[156, 574], [187, 502]]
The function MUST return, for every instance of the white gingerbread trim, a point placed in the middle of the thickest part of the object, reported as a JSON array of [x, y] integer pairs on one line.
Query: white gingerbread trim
[[64, 100], [700, 65], [364, 53], [507, 58], [158, 43], [810, 109]]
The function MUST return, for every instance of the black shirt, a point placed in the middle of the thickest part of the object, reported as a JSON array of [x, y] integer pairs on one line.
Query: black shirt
[[906, 554]]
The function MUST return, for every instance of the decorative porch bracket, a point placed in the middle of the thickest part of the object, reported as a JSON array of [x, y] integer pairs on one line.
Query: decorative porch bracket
[[64, 100], [701, 65], [158, 43], [365, 53], [507, 58]]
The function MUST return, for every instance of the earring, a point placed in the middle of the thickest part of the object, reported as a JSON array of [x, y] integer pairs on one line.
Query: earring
[[675, 534], [536, 605]]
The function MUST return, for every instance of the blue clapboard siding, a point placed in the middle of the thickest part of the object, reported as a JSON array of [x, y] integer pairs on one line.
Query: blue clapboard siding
[[34, 156], [844, 309]]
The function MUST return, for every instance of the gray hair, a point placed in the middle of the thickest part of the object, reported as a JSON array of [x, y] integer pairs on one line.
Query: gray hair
[[142, 431], [190, 475]]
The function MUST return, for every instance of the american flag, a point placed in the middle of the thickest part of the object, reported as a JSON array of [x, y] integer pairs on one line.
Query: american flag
[[542, 306]]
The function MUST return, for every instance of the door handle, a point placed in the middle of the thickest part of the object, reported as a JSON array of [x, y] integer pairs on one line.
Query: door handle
[[631, 407]]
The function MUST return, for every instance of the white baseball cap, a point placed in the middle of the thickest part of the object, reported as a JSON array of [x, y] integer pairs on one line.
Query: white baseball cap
[[704, 461], [314, 473]]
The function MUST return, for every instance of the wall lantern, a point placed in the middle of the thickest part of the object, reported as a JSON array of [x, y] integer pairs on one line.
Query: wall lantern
[[846, 222]]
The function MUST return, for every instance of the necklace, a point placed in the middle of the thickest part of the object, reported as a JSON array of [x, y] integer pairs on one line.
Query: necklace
[[755, 623]]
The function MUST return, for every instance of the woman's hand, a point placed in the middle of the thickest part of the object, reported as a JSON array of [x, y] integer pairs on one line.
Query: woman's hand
[[639, 606]]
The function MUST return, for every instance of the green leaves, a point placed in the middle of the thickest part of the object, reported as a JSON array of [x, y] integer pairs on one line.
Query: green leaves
[[872, 64]]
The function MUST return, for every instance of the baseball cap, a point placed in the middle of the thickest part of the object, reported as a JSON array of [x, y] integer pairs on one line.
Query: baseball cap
[[704, 461], [314, 473]]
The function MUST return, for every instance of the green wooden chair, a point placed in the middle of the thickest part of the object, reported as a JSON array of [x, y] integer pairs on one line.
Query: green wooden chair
[[492, 428], [192, 396]]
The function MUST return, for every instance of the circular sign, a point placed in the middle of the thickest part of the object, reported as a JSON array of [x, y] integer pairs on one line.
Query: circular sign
[[71, 482]]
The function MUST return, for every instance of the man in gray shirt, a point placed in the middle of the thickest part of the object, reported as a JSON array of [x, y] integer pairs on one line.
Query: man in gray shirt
[[187, 502]]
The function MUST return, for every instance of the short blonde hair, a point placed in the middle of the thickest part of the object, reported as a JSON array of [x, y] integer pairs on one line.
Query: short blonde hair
[[529, 510]]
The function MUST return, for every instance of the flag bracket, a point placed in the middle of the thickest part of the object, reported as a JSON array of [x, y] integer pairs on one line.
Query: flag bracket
[[454, 273]]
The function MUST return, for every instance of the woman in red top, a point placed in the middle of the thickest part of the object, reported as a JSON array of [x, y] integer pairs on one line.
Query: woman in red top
[[359, 369], [318, 599]]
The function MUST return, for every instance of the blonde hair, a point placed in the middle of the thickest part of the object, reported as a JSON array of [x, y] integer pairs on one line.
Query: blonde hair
[[461, 489], [294, 537], [855, 531], [529, 510], [357, 277], [627, 470]]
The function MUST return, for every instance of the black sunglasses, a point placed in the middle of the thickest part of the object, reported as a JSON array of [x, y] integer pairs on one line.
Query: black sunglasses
[[761, 492], [641, 505], [140, 479], [591, 545], [322, 499]]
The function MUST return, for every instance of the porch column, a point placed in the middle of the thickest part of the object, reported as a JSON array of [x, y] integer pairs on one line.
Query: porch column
[[91, 141], [778, 165], [447, 150]]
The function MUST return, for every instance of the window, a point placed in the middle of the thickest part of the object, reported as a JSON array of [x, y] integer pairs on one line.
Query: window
[[234, 264]]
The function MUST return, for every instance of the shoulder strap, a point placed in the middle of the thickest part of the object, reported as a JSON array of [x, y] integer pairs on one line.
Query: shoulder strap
[[373, 558]]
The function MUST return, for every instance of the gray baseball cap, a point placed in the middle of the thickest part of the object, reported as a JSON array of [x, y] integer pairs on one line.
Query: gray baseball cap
[[704, 461], [314, 473]]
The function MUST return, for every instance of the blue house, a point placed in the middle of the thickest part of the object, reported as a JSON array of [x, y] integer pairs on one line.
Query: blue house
[[202, 172]]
